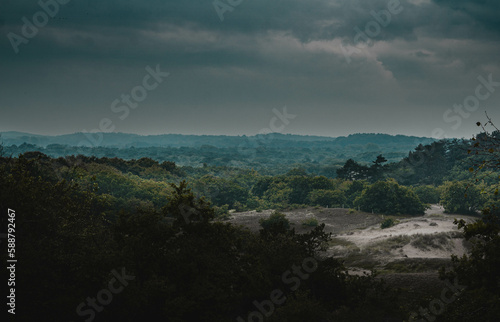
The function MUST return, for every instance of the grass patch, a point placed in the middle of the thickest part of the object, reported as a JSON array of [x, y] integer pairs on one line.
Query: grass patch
[[341, 242], [345, 249], [456, 234], [388, 245], [431, 241]]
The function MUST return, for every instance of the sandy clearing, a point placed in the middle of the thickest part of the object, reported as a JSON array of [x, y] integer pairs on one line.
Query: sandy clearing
[[362, 231], [435, 224], [407, 227]]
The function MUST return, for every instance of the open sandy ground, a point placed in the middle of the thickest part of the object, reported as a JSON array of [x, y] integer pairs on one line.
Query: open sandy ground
[[357, 236]]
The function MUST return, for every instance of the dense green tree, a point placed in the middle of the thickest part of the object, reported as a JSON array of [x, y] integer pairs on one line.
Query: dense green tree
[[61, 239], [301, 186], [354, 190], [279, 193], [477, 271], [376, 171], [459, 197], [261, 186], [186, 209], [388, 197], [430, 164], [353, 171], [427, 194], [322, 182]]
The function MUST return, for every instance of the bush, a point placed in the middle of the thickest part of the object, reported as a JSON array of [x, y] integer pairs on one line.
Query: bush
[[222, 212], [387, 223], [312, 222], [276, 223]]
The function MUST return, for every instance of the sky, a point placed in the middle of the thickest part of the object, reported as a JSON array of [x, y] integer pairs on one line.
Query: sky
[[314, 67]]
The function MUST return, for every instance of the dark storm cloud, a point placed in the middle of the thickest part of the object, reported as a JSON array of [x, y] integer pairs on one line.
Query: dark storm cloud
[[305, 20], [121, 23], [484, 12]]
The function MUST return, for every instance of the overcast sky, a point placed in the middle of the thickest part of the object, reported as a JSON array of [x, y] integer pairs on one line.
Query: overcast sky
[[403, 74]]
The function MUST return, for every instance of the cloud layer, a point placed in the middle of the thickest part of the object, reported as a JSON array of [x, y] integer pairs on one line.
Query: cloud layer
[[227, 76]]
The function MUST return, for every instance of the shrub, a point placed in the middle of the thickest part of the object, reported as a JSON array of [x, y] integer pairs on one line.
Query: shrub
[[222, 212], [312, 222], [387, 223], [276, 223]]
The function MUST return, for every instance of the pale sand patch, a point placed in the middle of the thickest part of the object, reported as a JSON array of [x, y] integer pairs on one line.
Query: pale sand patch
[[363, 230], [407, 227], [434, 223]]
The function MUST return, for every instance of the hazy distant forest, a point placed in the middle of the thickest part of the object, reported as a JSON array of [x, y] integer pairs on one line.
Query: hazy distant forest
[[158, 217]]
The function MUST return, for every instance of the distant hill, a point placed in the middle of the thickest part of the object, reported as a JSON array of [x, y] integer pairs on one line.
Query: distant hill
[[126, 140], [272, 153]]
